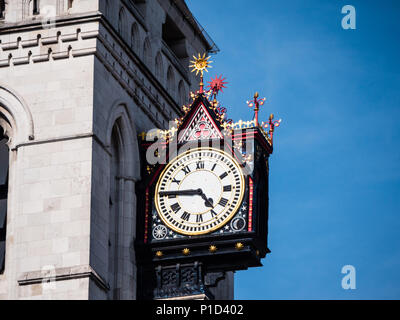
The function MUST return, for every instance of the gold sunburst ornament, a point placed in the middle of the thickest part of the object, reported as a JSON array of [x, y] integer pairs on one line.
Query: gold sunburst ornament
[[200, 64]]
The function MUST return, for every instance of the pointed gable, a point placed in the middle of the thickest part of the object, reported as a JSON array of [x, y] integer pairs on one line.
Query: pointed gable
[[200, 123]]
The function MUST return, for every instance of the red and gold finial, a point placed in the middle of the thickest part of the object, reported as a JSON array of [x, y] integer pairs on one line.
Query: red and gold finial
[[272, 125], [256, 103], [200, 65], [217, 84]]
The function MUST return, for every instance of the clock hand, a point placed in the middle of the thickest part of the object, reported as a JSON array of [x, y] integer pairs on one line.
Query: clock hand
[[189, 192], [207, 201]]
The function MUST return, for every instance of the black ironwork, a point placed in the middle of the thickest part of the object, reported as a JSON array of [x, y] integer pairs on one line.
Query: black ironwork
[[180, 280]]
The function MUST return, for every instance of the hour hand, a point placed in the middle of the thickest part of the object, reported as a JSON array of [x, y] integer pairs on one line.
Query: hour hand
[[208, 202]]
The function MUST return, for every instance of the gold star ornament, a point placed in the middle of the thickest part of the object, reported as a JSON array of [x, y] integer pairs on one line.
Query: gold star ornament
[[159, 254], [200, 64], [239, 246], [212, 249]]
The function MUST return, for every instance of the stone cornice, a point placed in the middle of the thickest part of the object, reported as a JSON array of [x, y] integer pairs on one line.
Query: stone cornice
[[65, 20], [62, 274]]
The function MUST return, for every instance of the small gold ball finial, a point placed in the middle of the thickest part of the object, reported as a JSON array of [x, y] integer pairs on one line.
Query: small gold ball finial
[[159, 254], [186, 251], [239, 246], [212, 249]]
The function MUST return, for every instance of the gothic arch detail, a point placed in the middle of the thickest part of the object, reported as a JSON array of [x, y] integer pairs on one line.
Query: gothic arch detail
[[147, 56], [3, 4], [107, 8], [122, 23], [171, 81], [135, 40], [124, 172], [30, 7], [159, 67], [63, 6], [182, 93], [119, 112], [15, 117]]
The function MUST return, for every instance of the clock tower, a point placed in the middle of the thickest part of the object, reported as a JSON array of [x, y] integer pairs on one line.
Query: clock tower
[[204, 201]]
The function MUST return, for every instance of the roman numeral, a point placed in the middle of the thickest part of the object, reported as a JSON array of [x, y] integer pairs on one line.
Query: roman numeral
[[227, 188], [185, 216], [200, 165], [176, 207], [199, 218], [176, 181], [186, 170], [213, 213], [213, 167], [223, 202], [223, 175]]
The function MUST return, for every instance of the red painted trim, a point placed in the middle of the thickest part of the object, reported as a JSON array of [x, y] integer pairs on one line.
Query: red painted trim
[[250, 220], [146, 216], [155, 175]]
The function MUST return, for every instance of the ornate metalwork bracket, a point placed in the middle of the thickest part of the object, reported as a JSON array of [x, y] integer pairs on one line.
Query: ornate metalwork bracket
[[179, 281]]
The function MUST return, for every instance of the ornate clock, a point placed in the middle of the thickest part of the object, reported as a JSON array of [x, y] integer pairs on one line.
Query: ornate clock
[[199, 191], [206, 208]]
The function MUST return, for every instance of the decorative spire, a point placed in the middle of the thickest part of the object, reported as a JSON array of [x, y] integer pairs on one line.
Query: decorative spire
[[256, 103], [272, 125], [200, 65], [217, 84]]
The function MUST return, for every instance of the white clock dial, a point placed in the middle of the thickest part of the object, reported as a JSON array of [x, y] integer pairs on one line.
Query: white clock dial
[[199, 191]]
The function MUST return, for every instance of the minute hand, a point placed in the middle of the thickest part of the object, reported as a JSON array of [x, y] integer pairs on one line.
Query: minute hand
[[189, 192], [208, 201]]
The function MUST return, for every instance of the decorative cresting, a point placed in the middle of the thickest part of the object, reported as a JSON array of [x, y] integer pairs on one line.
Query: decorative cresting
[[205, 201], [205, 129]]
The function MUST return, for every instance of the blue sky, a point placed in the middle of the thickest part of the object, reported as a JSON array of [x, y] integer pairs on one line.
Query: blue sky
[[335, 171]]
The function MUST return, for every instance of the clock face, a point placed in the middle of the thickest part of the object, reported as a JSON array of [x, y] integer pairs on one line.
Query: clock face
[[199, 191]]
